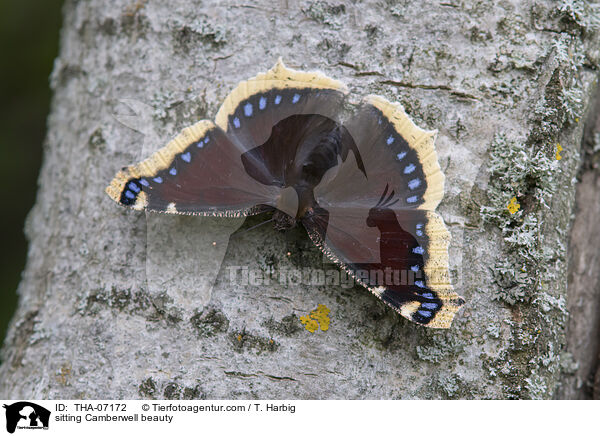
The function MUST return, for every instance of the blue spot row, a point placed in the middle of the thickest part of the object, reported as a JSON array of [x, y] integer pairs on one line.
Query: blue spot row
[[414, 184], [262, 104], [201, 143], [135, 188], [419, 228], [418, 250]]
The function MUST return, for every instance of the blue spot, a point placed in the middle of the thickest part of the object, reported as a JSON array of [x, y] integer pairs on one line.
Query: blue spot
[[409, 168], [379, 121], [419, 232], [144, 182], [173, 171], [431, 306], [412, 199], [206, 139], [296, 98], [419, 225], [158, 179], [236, 122], [129, 194], [278, 99], [390, 140], [401, 155], [248, 110], [427, 295], [418, 250], [414, 183], [420, 283], [133, 187], [414, 268], [262, 103], [200, 144], [424, 313], [186, 157]]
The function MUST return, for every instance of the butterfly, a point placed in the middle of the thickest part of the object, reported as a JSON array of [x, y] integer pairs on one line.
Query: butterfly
[[365, 190]]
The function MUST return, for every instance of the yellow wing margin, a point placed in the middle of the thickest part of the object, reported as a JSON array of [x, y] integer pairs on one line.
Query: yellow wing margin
[[436, 271], [422, 141], [279, 77], [158, 161]]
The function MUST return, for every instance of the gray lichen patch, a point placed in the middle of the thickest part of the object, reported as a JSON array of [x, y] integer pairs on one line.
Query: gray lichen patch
[[289, 325], [209, 322], [325, 12], [201, 31], [243, 340]]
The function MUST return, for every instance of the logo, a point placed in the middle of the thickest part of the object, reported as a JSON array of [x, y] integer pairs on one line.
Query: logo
[[26, 415]]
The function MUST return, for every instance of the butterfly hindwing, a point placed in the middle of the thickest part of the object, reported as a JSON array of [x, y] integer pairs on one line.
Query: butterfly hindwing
[[408, 264]]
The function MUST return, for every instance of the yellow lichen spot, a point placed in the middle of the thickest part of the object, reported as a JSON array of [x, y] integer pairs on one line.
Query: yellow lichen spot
[[316, 318], [239, 338], [576, 120], [558, 150], [513, 206]]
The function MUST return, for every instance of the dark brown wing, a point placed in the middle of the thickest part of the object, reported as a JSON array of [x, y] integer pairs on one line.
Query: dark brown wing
[[200, 172], [381, 227]]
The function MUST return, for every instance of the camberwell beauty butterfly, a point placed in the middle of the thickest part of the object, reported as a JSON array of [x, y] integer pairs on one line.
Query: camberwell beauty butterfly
[[365, 190]]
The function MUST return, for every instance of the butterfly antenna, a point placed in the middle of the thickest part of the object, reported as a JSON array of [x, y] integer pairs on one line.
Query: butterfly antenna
[[382, 196], [392, 203], [252, 228], [387, 200]]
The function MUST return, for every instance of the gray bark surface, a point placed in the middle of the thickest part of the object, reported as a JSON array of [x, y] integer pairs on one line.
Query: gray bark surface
[[114, 303]]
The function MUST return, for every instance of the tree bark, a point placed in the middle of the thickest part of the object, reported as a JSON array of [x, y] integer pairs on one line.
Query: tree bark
[[117, 304]]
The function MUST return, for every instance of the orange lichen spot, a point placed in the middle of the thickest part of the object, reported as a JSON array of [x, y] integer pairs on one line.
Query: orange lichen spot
[[558, 150], [64, 374], [513, 206], [239, 338], [316, 318]]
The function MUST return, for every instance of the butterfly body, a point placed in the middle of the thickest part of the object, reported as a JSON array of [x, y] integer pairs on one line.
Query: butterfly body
[[365, 190]]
